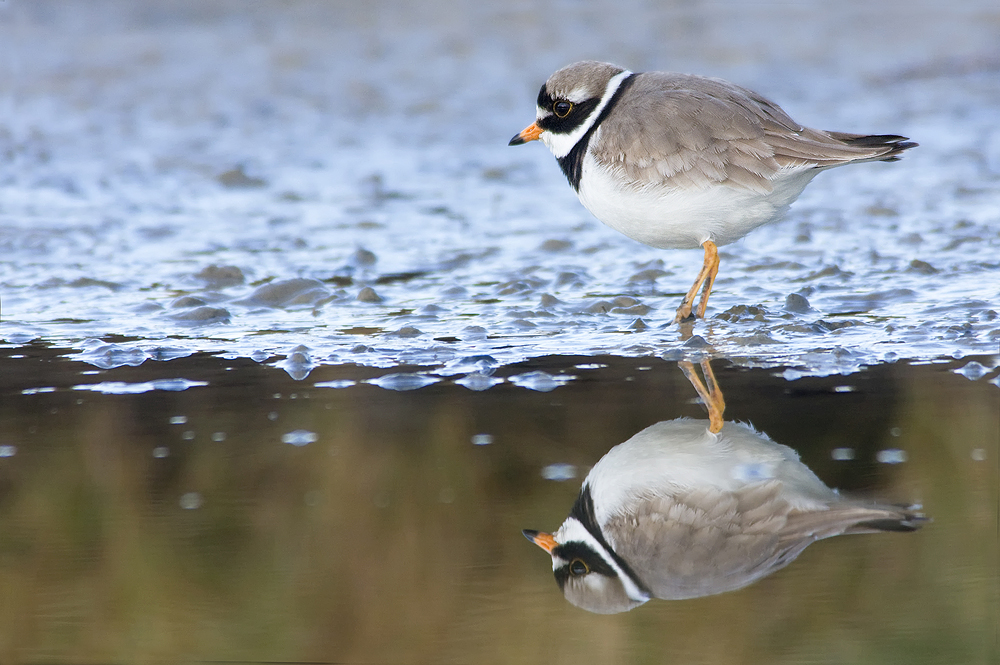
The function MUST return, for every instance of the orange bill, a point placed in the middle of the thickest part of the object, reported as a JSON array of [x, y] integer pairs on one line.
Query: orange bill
[[544, 540], [529, 133]]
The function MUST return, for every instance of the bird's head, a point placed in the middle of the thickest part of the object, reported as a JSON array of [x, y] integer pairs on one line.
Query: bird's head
[[586, 572], [569, 103]]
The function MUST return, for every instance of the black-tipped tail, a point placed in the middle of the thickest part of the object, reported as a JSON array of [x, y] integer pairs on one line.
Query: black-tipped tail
[[894, 143], [911, 524], [901, 518]]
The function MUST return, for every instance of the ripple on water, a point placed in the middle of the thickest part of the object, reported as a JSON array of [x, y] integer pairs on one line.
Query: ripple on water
[[299, 437], [403, 381], [540, 381], [351, 232]]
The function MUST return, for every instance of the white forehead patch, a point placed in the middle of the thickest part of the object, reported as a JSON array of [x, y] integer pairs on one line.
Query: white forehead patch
[[577, 95]]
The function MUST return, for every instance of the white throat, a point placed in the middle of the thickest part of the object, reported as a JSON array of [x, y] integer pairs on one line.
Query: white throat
[[561, 144], [573, 530]]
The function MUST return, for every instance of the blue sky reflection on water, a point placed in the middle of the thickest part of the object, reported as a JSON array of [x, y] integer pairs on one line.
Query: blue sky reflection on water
[[337, 177]]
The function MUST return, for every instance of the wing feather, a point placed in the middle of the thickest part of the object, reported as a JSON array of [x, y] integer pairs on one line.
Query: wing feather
[[691, 132], [702, 541], [707, 540]]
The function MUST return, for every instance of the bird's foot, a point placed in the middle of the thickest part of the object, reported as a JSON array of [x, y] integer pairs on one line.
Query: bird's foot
[[684, 313], [709, 392]]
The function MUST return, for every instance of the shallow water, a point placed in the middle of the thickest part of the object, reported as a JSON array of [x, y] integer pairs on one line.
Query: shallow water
[[251, 517], [247, 182], [293, 345]]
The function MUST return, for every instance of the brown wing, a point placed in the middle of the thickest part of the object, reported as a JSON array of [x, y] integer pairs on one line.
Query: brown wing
[[708, 541], [704, 541], [692, 132]]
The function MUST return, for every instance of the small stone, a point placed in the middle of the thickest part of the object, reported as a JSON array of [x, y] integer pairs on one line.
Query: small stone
[[697, 342], [363, 257], [634, 310], [599, 307], [188, 301], [407, 332], [238, 179], [203, 315], [548, 300], [922, 267], [368, 294], [287, 292], [555, 245], [650, 275], [219, 277], [797, 303]]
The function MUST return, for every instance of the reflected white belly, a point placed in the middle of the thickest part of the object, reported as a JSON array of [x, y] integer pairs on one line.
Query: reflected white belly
[[685, 218]]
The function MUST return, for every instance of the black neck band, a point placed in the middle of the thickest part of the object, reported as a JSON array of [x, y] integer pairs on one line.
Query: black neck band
[[583, 511], [572, 163]]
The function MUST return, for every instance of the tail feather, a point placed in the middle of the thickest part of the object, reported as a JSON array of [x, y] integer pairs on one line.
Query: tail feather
[[893, 143], [896, 518], [890, 524], [850, 517]]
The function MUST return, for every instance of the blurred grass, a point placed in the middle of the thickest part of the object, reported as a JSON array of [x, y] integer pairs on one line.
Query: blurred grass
[[393, 539]]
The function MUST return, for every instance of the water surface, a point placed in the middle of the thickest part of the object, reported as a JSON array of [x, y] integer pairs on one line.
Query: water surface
[[292, 345], [251, 180], [253, 517]]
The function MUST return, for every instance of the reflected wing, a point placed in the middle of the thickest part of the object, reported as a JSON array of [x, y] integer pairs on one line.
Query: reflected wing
[[850, 517], [707, 541]]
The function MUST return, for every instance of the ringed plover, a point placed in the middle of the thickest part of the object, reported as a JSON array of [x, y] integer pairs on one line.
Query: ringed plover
[[689, 508], [678, 161], [680, 512]]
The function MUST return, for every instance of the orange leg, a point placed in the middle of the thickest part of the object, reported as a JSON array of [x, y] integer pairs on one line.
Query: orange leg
[[711, 395], [704, 281]]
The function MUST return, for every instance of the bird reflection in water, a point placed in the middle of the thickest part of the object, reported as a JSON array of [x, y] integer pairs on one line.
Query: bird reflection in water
[[688, 508]]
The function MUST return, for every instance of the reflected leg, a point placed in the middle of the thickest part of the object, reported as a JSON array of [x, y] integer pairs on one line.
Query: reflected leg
[[711, 395]]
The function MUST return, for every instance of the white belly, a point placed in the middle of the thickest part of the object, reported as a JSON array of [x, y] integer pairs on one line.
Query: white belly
[[685, 218], [680, 455]]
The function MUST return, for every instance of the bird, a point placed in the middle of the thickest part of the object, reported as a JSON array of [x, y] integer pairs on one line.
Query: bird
[[689, 508], [679, 161], [679, 512]]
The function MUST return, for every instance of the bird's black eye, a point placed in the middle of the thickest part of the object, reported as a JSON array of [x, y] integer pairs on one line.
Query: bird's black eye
[[577, 567], [562, 108]]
